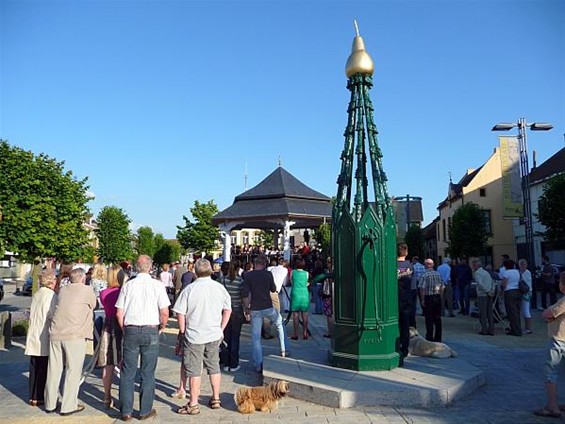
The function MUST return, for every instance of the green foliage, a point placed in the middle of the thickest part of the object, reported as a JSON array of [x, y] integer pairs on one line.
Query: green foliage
[[168, 252], [200, 235], [89, 255], [467, 232], [159, 241], [323, 236], [114, 236], [145, 241], [19, 328], [414, 238], [42, 206], [265, 238], [552, 208]]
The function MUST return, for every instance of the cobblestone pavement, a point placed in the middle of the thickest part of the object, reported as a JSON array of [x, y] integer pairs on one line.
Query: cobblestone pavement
[[513, 366]]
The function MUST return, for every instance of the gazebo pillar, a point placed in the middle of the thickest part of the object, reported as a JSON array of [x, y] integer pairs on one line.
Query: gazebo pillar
[[276, 238], [225, 231], [286, 235]]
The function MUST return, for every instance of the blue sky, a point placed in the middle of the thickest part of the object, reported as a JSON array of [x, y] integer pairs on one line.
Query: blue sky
[[161, 103]]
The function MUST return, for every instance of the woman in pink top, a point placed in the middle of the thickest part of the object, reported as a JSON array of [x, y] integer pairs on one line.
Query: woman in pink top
[[110, 354]]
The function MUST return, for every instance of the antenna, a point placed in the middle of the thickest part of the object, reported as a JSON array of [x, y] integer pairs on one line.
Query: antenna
[[245, 177], [449, 173], [280, 161]]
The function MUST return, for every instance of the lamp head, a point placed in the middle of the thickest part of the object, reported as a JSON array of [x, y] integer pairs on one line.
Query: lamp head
[[503, 127], [541, 126]]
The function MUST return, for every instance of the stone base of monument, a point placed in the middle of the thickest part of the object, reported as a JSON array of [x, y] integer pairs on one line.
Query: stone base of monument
[[424, 382]]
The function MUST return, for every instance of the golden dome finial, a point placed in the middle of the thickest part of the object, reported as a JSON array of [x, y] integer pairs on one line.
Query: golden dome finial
[[359, 61]]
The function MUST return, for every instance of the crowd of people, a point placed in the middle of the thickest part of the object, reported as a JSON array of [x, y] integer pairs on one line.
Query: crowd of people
[[508, 291], [210, 305], [505, 293]]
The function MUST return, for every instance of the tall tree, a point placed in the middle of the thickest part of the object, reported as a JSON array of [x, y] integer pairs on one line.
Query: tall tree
[[168, 252], [552, 208], [158, 241], [414, 238], [145, 241], [114, 236], [200, 235], [323, 236], [468, 232], [42, 207]]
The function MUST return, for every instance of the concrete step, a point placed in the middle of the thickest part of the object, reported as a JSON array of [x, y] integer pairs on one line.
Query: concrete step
[[423, 382]]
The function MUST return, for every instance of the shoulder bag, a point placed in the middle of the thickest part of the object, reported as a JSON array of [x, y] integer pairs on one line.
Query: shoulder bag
[[522, 286]]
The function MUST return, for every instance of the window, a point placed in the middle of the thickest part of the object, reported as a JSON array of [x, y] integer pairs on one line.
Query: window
[[444, 231], [233, 237], [483, 192], [488, 225], [245, 238]]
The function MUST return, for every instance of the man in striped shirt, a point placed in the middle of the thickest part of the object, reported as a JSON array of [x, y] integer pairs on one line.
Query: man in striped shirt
[[431, 291]]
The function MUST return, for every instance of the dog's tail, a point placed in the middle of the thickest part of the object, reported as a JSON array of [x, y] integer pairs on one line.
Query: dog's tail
[[243, 402], [453, 353]]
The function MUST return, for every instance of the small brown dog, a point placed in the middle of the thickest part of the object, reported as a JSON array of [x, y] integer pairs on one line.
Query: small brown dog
[[251, 399]]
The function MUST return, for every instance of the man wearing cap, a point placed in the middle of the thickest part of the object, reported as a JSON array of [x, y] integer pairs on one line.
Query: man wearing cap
[[485, 294]]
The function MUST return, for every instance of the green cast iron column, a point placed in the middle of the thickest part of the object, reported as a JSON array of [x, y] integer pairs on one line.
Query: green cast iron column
[[363, 238]]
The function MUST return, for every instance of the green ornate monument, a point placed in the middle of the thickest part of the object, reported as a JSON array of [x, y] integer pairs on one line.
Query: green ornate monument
[[363, 238]]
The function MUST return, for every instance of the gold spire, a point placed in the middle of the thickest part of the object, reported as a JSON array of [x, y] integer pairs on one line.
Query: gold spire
[[359, 61]]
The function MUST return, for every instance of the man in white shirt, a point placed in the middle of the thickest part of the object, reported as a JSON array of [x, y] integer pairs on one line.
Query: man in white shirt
[[203, 311], [280, 275], [281, 301], [142, 313]]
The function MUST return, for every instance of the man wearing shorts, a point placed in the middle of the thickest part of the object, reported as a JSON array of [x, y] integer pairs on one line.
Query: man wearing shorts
[[555, 318], [203, 311]]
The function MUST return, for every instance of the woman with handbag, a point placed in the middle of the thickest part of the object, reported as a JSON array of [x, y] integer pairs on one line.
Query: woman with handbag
[[512, 297], [526, 276]]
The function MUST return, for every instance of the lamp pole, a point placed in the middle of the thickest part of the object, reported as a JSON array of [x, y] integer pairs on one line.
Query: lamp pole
[[522, 124]]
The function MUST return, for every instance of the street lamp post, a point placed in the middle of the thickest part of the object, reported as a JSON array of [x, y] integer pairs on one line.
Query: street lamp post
[[525, 174]]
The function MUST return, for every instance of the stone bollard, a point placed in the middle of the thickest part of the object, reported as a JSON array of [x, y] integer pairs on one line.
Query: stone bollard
[[5, 330]]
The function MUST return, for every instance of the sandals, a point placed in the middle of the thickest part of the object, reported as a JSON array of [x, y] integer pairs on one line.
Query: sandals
[[109, 403], [214, 403], [189, 410]]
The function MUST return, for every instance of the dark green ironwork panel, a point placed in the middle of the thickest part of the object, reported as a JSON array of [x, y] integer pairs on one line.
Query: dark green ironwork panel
[[363, 239]]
